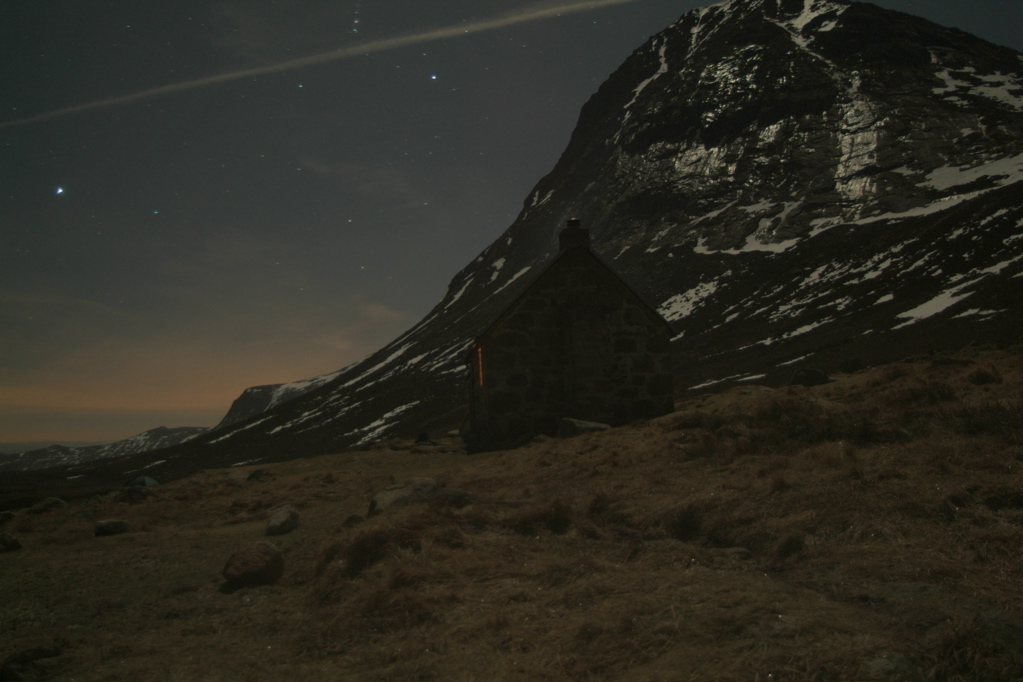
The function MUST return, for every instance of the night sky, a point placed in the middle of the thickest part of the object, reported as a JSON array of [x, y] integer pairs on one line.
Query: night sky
[[162, 251]]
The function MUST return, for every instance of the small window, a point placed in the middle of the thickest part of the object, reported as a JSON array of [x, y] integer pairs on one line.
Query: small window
[[479, 365]]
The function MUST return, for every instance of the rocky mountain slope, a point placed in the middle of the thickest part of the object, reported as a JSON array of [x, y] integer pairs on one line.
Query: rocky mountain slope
[[258, 399], [791, 182]]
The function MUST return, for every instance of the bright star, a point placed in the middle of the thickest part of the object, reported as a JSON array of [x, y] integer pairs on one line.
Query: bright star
[[60, 190]]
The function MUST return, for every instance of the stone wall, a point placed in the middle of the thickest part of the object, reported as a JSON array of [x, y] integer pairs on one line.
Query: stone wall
[[578, 343]]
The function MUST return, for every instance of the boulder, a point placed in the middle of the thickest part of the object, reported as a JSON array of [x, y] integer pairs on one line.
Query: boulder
[[401, 492], [282, 520], [9, 543], [258, 564], [49, 504], [415, 491], [260, 476], [567, 427], [112, 527]]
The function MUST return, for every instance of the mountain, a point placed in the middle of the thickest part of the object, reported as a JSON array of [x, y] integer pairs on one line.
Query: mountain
[[13, 448], [258, 399], [252, 401], [62, 456], [793, 183]]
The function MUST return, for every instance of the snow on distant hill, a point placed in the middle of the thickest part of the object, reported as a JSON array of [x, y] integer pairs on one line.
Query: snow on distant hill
[[59, 456]]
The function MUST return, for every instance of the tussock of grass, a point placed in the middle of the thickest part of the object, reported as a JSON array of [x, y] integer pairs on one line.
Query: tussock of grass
[[1001, 418], [966, 650], [555, 517]]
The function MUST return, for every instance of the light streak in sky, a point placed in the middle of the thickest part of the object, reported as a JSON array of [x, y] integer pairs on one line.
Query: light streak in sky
[[520, 17]]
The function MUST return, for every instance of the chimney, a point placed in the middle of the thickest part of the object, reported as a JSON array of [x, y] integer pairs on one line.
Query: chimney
[[574, 236]]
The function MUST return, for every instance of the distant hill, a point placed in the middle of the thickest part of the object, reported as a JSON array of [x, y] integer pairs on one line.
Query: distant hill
[[63, 456], [15, 448]]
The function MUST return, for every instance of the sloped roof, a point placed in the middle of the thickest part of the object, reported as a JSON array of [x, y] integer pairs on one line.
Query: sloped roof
[[531, 282]]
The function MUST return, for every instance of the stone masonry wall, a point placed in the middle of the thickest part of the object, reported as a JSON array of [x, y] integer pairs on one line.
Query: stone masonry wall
[[577, 344]]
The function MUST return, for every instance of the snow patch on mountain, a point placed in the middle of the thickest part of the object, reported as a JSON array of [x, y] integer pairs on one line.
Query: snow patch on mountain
[[938, 304], [661, 46], [498, 264], [1005, 89], [752, 244], [235, 431], [284, 392], [458, 294], [812, 9], [537, 201], [514, 277], [682, 305], [379, 366], [1000, 172], [372, 430]]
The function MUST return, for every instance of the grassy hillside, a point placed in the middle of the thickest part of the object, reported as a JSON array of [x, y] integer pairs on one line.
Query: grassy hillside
[[867, 529]]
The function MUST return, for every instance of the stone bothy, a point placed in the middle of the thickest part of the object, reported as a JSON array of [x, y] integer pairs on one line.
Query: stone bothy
[[577, 343]]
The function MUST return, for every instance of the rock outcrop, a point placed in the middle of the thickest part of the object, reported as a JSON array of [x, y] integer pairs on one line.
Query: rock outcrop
[[258, 564]]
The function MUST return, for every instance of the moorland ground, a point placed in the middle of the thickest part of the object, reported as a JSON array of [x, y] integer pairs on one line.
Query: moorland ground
[[865, 529]]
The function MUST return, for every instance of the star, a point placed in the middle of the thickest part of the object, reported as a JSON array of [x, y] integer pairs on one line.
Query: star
[[60, 190]]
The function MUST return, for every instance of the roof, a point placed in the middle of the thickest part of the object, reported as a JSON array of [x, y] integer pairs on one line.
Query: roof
[[576, 247]]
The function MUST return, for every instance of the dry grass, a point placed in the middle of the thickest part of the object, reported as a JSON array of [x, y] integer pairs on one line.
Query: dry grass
[[867, 529]]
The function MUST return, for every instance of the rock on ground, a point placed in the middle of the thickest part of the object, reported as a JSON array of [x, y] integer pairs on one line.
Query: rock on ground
[[417, 491], [401, 492], [49, 504], [575, 427], [261, 476], [258, 564], [9, 543], [283, 520], [112, 527]]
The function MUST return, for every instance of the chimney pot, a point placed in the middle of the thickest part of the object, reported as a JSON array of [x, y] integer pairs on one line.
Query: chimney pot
[[574, 236]]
